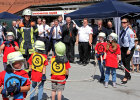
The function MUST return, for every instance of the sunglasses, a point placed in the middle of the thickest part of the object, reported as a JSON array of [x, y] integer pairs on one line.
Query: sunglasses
[[124, 22]]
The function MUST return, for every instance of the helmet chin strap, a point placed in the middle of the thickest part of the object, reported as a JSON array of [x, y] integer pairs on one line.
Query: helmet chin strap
[[22, 67]]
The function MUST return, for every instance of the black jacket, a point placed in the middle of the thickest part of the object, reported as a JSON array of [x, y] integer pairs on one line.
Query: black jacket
[[69, 34], [96, 33]]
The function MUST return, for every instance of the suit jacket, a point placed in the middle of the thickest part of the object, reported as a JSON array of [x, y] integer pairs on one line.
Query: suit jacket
[[52, 31], [96, 33], [66, 32]]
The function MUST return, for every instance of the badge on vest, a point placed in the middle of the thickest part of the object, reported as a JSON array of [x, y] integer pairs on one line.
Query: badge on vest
[[57, 68], [38, 62]]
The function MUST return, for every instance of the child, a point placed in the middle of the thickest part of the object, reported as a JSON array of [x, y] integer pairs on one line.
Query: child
[[99, 50], [59, 70], [136, 56], [112, 58], [14, 80], [38, 62], [8, 46]]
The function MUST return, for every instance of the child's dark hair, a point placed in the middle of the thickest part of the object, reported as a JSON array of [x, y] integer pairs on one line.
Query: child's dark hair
[[8, 69]]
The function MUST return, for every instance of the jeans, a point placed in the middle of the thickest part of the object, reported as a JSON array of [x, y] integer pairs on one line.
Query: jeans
[[101, 67], [1, 41], [40, 90], [107, 73]]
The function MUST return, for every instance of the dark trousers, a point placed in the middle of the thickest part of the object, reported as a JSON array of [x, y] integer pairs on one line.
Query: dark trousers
[[46, 41], [70, 51], [126, 59], [84, 48]]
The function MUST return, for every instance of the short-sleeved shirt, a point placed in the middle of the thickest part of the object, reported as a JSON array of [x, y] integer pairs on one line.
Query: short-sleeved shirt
[[111, 57], [84, 33], [20, 73], [61, 77], [100, 48], [36, 76], [8, 49]]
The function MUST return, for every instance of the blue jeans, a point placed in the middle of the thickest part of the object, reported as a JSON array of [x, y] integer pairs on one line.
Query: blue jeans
[[40, 90], [1, 41], [107, 73], [101, 67]]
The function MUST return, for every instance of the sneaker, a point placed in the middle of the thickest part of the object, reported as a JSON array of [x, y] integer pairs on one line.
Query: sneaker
[[114, 85], [106, 84]]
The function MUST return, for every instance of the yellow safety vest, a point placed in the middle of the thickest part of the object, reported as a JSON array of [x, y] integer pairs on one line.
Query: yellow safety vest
[[38, 62], [57, 68]]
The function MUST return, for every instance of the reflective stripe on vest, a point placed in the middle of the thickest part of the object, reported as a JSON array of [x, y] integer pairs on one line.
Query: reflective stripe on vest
[[22, 50], [38, 62], [57, 68], [13, 79]]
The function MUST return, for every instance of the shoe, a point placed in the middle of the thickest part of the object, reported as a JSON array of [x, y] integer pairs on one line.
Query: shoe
[[101, 80], [80, 63], [106, 84], [114, 85], [124, 82], [138, 71], [129, 78], [84, 64], [132, 71]]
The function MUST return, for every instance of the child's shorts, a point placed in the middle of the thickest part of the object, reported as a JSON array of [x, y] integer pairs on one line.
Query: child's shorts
[[58, 87], [136, 60]]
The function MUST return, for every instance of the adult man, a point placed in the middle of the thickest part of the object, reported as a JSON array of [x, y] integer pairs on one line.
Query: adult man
[[14, 30], [46, 29], [41, 32], [84, 37], [127, 47], [97, 29], [27, 33], [56, 33], [69, 33], [110, 28], [60, 20]]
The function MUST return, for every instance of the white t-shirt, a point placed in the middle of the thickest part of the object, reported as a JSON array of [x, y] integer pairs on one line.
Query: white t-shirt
[[1, 31], [84, 33], [40, 30], [56, 33], [45, 28]]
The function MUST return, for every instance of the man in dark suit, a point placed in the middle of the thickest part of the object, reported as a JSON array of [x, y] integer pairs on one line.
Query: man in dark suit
[[14, 30], [69, 33], [97, 29]]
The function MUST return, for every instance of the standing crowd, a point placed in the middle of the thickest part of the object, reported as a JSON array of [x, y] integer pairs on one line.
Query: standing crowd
[[31, 42]]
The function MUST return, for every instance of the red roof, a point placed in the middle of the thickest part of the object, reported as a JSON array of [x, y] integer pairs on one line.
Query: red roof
[[14, 6]]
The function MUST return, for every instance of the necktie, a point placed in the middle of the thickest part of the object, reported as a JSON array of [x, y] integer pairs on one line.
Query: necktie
[[56, 32]]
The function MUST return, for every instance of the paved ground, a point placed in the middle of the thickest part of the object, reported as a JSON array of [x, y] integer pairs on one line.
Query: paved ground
[[93, 90]]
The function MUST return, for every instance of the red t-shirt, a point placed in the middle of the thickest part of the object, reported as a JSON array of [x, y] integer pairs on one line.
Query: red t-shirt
[[37, 76], [100, 48], [21, 73], [111, 57], [61, 77], [8, 50]]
